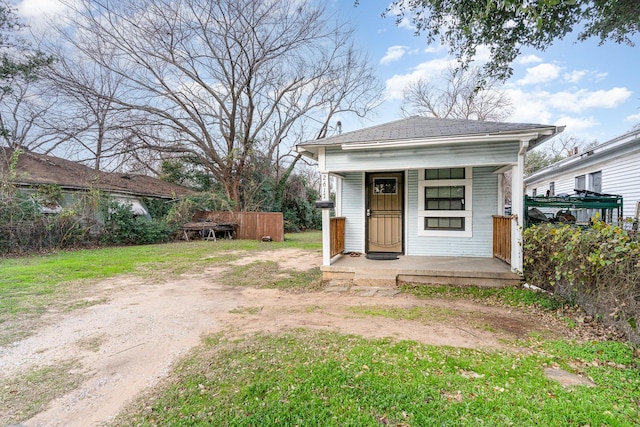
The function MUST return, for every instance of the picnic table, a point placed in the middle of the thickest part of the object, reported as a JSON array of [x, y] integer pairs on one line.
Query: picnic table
[[207, 230]]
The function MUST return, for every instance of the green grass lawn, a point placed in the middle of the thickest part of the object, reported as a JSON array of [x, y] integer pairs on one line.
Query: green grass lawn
[[314, 378], [28, 284], [307, 378], [31, 286]]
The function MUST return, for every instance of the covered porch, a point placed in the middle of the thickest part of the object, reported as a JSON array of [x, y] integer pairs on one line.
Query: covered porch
[[356, 269]]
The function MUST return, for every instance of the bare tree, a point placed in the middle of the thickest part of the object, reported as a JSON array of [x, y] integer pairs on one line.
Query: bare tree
[[457, 94], [223, 79], [97, 129], [22, 102], [23, 114]]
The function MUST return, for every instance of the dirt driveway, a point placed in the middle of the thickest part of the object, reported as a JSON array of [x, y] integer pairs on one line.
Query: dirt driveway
[[130, 339]]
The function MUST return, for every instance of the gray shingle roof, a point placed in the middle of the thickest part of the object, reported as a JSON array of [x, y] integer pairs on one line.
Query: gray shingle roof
[[421, 128]]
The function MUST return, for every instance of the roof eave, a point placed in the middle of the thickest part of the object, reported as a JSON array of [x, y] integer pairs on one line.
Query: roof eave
[[309, 151], [465, 139], [78, 188]]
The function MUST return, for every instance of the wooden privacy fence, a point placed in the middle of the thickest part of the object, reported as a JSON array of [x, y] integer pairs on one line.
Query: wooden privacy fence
[[502, 237], [250, 225], [336, 227]]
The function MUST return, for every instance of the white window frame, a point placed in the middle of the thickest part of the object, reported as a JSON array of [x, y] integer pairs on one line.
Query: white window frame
[[467, 213], [591, 181]]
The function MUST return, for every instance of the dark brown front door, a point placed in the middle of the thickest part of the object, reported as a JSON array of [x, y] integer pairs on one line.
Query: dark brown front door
[[384, 210]]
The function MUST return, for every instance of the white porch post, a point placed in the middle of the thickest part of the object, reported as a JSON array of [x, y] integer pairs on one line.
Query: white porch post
[[500, 194], [326, 220], [325, 194], [338, 191], [517, 208]]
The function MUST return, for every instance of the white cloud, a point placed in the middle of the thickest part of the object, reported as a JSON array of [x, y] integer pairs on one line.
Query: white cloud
[[575, 76], [37, 12], [544, 106], [529, 59], [434, 49], [530, 107], [583, 99], [542, 73], [600, 76], [483, 53], [393, 54], [37, 8], [633, 118], [406, 24], [425, 70], [405, 21], [577, 124]]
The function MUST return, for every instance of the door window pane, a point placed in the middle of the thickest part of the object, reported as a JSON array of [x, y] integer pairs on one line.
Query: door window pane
[[384, 186]]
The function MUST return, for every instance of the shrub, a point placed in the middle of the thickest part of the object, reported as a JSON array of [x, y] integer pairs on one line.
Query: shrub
[[184, 209], [25, 229], [123, 227], [597, 268]]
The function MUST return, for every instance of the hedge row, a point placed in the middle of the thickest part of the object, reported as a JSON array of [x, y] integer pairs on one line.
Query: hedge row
[[597, 268]]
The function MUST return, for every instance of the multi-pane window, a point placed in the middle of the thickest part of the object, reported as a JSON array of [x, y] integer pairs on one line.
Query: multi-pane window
[[444, 223], [445, 173], [596, 181], [446, 198], [591, 182], [445, 202]]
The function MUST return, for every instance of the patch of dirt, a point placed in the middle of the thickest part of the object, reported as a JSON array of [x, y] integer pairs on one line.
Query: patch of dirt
[[128, 341]]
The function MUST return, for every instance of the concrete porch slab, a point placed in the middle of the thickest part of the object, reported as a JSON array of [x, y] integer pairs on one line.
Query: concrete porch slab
[[456, 271]]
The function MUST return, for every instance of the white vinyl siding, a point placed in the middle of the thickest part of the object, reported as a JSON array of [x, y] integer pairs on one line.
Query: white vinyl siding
[[484, 206], [414, 158], [620, 176], [353, 211]]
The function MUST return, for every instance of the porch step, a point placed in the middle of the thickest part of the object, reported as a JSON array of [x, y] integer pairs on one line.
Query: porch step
[[452, 271], [347, 286], [495, 280], [376, 278]]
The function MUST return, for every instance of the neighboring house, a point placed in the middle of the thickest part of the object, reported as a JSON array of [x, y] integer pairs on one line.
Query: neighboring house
[[424, 186], [612, 167], [34, 171]]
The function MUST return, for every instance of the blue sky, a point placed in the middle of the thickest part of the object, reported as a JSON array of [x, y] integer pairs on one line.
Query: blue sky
[[592, 90]]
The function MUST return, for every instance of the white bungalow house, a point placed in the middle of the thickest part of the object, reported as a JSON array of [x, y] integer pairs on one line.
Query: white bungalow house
[[424, 187], [612, 167]]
